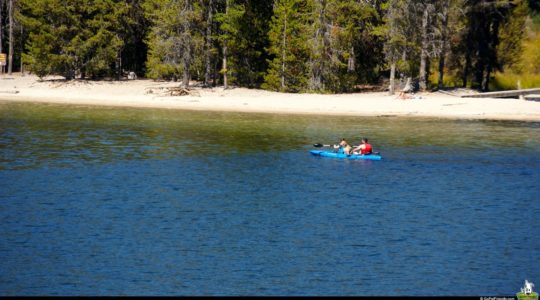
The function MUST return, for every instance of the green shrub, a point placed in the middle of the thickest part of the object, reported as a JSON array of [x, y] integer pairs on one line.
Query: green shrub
[[449, 80], [508, 81]]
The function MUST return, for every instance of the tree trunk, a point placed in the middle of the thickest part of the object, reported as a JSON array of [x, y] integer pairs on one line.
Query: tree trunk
[[444, 36], [392, 78], [1, 20], [485, 80], [423, 53], [188, 42], [225, 71], [283, 54], [225, 83], [351, 62], [316, 81], [22, 49], [468, 60], [467, 68], [492, 54], [441, 72], [208, 56], [186, 77], [215, 72], [118, 65], [10, 56]]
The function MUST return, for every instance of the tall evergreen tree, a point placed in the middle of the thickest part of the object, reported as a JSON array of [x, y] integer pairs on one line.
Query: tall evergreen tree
[[361, 21], [71, 38], [444, 17], [320, 60], [251, 41], [11, 39], [209, 48], [511, 37], [288, 35], [172, 38], [427, 8], [396, 36], [484, 20], [1, 25], [229, 27], [353, 46], [132, 30]]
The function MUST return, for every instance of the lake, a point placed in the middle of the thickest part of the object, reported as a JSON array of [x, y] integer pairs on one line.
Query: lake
[[116, 201]]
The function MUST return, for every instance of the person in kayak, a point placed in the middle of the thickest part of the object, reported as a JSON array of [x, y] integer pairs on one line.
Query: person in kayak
[[343, 147], [364, 148]]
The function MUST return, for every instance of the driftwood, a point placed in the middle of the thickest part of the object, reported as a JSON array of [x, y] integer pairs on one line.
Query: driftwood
[[172, 91], [533, 97], [178, 91], [504, 94], [448, 93]]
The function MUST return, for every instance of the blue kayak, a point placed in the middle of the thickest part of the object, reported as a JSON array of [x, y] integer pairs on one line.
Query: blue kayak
[[345, 156]]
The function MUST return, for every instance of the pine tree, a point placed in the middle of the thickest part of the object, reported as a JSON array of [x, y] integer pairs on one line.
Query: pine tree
[[172, 38], [251, 59], [335, 36], [132, 30], [352, 44], [511, 37], [11, 40], [319, 62], [288, 35], [395, 35], [209, 41], [427, 8], [444, 17], [71, 38], [481, 40], [229, 27], [1, 25], [364, 55]]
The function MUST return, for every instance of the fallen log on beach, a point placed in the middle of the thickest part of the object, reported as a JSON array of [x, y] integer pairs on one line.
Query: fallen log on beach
[[172, 91], [178, 91], [533, 97], [504, 94]]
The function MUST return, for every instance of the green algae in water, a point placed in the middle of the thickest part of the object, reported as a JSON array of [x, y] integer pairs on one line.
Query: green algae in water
[[45, 132]]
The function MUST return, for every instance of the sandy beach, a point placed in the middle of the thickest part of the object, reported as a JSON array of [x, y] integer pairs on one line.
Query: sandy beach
[[153, 94]]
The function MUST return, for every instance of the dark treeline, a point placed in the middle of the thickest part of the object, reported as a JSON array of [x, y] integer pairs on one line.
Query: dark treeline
[[282, 45]]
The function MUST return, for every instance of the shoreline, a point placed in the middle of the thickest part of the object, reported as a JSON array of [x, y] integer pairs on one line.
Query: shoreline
[[145, 93]]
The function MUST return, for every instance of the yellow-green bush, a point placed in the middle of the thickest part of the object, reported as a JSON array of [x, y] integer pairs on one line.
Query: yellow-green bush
[[528, 70], [508, 81], [449, 80], [531, 55]]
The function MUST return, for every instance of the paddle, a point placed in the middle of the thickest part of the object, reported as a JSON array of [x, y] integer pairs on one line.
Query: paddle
[[324, 145], [320, 145]]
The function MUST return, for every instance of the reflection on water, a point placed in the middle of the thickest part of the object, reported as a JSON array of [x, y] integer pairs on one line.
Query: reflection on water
[[109, 201]]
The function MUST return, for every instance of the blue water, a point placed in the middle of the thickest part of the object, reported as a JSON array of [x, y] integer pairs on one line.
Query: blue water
[[97, 201]]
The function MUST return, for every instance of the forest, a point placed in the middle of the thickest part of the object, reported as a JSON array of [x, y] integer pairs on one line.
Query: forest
[[321, 46]]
